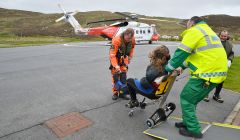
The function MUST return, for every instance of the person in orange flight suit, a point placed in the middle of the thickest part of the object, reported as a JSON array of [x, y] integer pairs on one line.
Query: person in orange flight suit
[[120, 55]]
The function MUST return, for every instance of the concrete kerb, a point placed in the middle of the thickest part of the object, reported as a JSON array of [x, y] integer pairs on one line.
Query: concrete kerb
[[233, 114]]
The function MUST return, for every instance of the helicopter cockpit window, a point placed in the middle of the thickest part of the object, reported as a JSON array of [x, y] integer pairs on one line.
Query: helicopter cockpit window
[[140, 31], [143, 31], [136, 31]]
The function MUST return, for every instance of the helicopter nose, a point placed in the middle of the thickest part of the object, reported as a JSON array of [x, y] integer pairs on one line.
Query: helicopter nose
[[155, 37]]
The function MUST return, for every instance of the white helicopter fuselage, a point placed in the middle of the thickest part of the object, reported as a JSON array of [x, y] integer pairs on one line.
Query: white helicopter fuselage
[[143, 31]]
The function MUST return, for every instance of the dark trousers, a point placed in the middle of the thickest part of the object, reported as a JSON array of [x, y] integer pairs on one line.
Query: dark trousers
[[133, 90], [218, 89]]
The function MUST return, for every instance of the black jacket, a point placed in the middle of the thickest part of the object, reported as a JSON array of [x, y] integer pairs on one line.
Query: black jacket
[[151, 74]]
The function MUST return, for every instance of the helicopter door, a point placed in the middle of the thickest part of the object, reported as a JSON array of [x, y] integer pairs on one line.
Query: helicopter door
[[137, 35], [146, 34]]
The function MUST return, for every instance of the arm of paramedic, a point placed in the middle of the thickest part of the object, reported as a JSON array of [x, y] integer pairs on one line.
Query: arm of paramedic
[[183, 65], [113, 53], [178, 58], [188, 43]]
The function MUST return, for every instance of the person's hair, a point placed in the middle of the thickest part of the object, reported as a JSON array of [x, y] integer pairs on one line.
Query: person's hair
[[196, 19], [225, 32], [129, 31], [157, 58]]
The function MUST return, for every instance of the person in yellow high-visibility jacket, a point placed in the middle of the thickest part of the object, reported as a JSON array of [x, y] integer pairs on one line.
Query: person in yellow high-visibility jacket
[[201, 51]]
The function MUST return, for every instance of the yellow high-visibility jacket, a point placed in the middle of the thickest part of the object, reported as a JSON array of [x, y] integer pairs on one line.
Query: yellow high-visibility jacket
[[201, 50]]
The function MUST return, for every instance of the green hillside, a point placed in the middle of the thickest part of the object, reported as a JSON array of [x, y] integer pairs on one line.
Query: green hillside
[[18, 23], [24, 23]]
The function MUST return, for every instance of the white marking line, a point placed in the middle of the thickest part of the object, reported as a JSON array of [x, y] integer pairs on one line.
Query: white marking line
[[107, 45], [82, 46], [67, 45], [206, 128]]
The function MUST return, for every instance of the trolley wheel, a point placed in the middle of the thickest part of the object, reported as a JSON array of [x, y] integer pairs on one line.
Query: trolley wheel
[[171, 106], [150, 123], [130, 114]]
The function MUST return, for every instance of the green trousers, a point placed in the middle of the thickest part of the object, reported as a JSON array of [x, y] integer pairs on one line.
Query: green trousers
[[193, 92]]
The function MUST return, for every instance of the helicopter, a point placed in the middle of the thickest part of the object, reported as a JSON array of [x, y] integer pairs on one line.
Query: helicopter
[[143, 31]]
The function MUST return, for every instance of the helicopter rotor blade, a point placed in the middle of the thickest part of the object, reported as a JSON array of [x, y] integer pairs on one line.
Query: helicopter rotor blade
[[61, 18], [156, 19], [108, 20], [74, 13], [64, 11], [123, 14]]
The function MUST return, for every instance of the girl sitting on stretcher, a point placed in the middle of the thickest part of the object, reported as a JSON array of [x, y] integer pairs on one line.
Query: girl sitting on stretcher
[[147, 85]]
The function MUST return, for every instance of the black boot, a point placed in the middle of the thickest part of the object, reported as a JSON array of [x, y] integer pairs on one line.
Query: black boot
[[179, 125], [115, 96], [132, 104], [183, 131], [218, 99]]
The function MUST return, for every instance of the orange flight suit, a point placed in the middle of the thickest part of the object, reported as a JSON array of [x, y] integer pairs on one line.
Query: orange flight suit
[[120, 54]]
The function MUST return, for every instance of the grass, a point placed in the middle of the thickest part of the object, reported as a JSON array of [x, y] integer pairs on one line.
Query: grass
[[233, 80], [16, 41]]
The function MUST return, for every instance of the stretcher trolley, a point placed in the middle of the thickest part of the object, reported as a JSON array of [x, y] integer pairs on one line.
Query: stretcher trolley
[[164, 109]]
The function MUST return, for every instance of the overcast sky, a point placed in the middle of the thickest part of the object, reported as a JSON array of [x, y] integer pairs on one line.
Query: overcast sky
[[163, 8]]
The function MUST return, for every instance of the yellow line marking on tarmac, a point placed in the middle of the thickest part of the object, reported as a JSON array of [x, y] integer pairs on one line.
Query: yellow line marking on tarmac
[[180, 119], [212, 123], [226, 125], [154, 135]]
